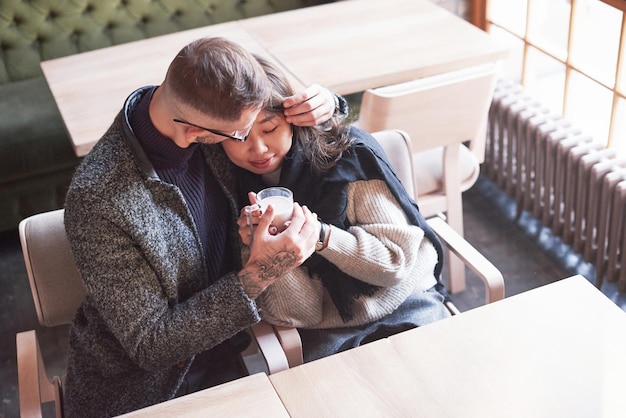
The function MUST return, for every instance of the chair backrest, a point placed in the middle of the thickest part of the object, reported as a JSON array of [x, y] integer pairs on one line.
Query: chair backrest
[[54, 279], [435, 111], [397, 147]]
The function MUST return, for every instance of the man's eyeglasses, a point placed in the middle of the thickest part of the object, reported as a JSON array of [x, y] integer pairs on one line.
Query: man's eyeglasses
[[239, 136]]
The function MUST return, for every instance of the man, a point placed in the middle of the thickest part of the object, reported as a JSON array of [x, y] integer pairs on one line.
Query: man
[[151, 218]]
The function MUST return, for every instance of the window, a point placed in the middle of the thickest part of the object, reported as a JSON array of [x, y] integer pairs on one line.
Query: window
[[569, 54]]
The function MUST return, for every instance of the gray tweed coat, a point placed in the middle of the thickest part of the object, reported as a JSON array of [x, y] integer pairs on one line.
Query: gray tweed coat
[[148, 308]]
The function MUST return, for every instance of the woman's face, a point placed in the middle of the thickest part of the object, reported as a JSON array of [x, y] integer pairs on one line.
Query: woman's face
[[267, 145]]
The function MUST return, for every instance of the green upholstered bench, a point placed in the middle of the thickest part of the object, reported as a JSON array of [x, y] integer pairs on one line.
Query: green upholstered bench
[[36, 158]]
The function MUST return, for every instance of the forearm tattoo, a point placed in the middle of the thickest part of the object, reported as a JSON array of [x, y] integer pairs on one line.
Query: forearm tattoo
[[276, 265], [268, 270]]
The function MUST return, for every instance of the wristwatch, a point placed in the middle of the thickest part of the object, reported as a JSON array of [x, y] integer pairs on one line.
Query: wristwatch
[[341, 106], [321, 241]]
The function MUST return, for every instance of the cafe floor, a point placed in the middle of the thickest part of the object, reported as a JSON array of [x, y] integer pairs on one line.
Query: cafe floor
[[527, 255]]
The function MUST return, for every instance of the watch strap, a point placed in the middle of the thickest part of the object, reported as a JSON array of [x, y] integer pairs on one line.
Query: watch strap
[[341, 106]]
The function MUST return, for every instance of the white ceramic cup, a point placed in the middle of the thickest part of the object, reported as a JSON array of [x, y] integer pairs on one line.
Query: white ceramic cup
[[281, 200]]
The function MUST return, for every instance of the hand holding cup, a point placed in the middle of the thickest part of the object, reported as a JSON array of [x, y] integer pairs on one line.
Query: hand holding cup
[[281, 199]]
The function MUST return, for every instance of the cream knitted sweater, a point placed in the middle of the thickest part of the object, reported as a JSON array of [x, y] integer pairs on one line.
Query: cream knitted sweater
[[380, 248]]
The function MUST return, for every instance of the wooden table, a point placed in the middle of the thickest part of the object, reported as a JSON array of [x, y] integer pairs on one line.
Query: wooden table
[[556, 351], [250, 396], [350, 46], [347, 46]]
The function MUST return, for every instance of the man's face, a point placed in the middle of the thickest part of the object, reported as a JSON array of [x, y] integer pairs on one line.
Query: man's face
[[206, 130]]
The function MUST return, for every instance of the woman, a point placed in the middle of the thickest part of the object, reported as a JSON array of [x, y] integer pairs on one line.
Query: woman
[[377, 266]]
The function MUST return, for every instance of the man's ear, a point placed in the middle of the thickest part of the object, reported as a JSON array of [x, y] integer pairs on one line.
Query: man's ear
[[192, 132]]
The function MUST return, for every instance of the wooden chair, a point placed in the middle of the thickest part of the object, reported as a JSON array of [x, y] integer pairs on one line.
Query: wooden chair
[[58, 291], [441, 114], [397, 147]]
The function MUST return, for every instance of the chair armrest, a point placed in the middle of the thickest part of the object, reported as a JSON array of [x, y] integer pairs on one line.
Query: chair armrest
[[270, 347], [488, 273], [292, 344], [35, 388]]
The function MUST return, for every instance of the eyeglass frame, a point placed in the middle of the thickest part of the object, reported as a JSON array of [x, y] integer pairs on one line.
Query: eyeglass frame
[[242, 138]]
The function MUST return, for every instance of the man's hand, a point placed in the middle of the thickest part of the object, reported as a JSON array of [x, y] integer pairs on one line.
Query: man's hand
[[271, 256], [311, 107]]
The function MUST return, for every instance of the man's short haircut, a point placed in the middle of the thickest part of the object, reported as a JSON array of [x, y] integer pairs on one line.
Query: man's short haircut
[[217, 77]]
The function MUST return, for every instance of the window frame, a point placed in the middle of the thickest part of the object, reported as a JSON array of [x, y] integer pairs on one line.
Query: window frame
[[478, 12]]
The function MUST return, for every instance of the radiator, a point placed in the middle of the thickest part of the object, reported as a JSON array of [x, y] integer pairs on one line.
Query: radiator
[[573, 185]]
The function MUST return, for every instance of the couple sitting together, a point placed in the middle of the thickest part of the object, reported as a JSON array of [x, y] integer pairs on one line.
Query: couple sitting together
[[157, 221]]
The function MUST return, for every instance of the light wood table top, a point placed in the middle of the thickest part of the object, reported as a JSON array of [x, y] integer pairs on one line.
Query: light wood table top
[[556, 351], [350, 46], [362, 382], [347, 46], [250, 396], [90, 88]]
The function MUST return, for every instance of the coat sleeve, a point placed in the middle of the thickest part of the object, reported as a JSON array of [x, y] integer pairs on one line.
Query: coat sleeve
[[137, 280]]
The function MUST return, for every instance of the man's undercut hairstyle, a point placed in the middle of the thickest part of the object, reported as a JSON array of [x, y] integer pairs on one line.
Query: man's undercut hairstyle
[[217, 77]]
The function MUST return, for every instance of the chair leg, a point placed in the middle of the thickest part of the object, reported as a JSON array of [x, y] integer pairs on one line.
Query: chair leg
[[456, 266], [454, 213], [35, 388], [484, 269], [456, 270]]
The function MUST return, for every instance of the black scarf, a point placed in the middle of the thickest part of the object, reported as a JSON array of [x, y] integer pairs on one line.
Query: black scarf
[[327, 195]]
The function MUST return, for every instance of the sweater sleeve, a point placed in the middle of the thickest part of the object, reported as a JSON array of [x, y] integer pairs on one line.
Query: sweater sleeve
[[381, 248]]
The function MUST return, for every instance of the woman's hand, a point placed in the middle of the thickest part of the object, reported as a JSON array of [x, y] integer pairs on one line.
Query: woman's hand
[[313, 106], [249, 219]]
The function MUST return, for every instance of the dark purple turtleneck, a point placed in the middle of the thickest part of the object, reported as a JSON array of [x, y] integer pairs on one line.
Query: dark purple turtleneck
[[186, 168]]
